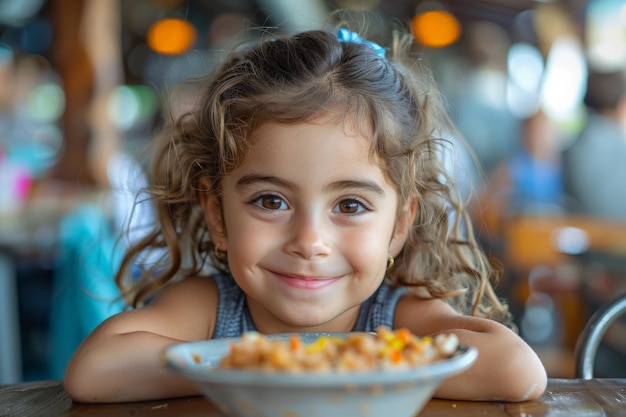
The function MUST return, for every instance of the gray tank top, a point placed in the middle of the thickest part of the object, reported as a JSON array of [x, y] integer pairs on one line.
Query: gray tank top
[[233, 316]]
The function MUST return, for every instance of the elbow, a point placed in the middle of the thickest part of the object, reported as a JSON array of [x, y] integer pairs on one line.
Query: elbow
[[78, 388], [537, 384], [529, 389], [538, 390], [522, 372], [81, 384], [529, 380], [75, 391]]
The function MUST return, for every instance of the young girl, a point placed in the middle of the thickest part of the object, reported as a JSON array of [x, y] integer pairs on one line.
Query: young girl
[[313, 178]]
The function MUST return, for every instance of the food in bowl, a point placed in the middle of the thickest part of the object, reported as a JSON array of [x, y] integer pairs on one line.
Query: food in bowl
[[399, 391], [385, 349]]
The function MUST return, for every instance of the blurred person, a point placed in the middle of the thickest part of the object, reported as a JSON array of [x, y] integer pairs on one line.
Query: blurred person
[[528, 182], [594, 168]]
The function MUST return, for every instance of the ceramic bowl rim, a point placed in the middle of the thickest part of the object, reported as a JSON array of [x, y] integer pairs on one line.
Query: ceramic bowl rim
[[190, 359]]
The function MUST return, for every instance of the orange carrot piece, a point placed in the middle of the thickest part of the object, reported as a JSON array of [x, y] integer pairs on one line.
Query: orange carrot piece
[[403, 334], [396, 356], [294, 342]]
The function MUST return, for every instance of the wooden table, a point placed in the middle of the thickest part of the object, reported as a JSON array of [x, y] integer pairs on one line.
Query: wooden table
[[563, 398]]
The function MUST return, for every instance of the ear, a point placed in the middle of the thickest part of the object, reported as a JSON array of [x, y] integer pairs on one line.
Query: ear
[[213, 214], [403, 226]]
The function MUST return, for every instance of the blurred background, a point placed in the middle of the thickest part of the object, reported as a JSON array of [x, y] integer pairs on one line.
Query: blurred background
[[536, 89]]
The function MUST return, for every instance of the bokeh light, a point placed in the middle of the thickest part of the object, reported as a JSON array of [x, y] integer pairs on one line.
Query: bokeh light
[[436, 28], [171, 36], [46, 103], [565, 79], [525, 67], [128, 105]]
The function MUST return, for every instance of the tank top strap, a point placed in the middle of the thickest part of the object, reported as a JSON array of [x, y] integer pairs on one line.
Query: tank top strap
[[233, 316], [379, 309]]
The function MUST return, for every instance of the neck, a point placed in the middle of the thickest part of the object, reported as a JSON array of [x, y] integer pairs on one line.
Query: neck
[[267, 322]]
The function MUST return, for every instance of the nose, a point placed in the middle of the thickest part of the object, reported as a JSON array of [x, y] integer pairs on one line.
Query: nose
[[308, 238]]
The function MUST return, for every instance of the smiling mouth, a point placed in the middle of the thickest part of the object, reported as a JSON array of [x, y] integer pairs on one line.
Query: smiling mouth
[[307, 283]]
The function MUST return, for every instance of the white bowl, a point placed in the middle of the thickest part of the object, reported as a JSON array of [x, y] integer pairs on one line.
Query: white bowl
[[241, 393]]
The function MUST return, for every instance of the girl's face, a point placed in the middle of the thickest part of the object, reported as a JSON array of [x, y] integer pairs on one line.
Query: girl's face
[[308, 222]]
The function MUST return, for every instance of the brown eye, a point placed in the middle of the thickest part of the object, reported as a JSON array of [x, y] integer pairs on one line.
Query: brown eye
[[349, 206], [272, 202]]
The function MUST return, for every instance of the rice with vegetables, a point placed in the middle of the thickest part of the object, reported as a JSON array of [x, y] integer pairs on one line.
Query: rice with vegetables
[[385, 349]]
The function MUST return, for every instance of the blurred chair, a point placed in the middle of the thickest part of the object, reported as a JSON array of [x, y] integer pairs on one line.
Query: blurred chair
[[592, 335], [537, 253], [84, 290], [556, 262]]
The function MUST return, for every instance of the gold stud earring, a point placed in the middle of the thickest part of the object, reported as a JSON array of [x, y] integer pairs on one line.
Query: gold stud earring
[[390, 262], [220, 255]]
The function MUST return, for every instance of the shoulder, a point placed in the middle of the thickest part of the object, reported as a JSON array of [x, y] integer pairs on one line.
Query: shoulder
[[192, 288], [192, 301]]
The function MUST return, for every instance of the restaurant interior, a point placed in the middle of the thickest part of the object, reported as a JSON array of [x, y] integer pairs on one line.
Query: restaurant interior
[[86, 84]]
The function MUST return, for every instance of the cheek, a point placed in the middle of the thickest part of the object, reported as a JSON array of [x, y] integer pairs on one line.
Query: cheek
[[366, 249], [238, 233], [248, 240]]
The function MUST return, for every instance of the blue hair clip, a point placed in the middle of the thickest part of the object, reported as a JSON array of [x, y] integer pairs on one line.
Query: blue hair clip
[[345, 35]]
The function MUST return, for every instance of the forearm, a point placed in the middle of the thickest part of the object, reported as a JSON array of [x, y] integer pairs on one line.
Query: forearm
[[123, 367], [506, 368]]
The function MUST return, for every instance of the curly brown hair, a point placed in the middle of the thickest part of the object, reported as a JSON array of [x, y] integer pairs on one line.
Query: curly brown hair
[[295, 78]]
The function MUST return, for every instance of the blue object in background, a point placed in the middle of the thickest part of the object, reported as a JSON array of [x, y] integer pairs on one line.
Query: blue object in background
[[84, 291]]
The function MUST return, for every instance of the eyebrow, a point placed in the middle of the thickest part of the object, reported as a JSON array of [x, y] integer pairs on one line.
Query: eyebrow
[[254, 178], [367, 186]]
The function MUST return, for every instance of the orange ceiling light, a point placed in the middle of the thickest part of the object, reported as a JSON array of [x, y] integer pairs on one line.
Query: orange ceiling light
[[171, 36], [436, 28]]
